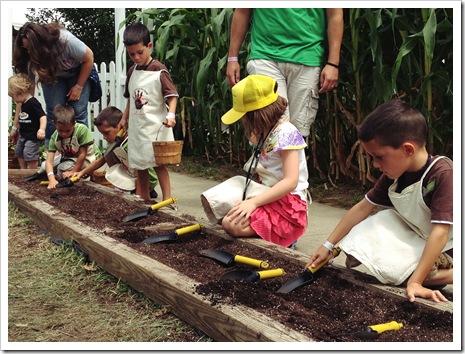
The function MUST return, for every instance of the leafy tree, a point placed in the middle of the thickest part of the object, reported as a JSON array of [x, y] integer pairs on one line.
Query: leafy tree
[[95, 27]]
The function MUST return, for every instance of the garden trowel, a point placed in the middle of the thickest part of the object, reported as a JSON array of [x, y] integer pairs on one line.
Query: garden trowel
[[307, 277], [65, 182], [228, 259], [249, 275], [143, 213], [172, 236], [373, 332]]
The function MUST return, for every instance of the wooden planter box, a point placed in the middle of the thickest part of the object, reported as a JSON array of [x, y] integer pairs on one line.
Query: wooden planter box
[[165, 285]]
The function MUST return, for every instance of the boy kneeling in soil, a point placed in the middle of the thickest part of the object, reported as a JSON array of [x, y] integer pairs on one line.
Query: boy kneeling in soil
[[410, 242], [73, 141], [117, 172]]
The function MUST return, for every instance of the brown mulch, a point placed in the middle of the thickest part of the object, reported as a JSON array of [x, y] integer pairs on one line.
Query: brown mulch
[[330, 309]]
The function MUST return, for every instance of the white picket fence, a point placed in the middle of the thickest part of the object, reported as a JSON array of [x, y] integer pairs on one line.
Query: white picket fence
[[112, 88]]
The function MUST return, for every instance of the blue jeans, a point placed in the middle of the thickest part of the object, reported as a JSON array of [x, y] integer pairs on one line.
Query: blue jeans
[[56, 94]]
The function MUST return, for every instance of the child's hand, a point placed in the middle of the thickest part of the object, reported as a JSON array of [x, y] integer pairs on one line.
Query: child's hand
[[52, 184], [240, 213], [41, 134], [14, 136], [319, 256], [415, 289], [67, 174]]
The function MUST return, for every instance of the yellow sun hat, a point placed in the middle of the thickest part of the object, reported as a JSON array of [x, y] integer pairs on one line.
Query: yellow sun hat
[[251, 93]]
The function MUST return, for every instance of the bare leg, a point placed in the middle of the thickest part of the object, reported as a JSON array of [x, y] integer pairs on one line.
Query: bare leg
[[237, 229], [164, 181], [22, 163], [32, 164], [442, 277], [143, 184]]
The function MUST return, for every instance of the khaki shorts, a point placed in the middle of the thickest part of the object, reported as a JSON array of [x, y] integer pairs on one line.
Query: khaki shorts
[[297, 83]]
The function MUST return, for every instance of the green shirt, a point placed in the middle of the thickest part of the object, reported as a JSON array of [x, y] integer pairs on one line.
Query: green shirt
[[289, 35], [69, 147]]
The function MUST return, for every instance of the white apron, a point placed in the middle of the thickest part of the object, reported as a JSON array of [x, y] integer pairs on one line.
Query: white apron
[[146, 116], [119, 174], [391, 242]]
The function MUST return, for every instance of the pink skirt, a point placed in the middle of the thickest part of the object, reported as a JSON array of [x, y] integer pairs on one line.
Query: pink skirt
[[282, 221]]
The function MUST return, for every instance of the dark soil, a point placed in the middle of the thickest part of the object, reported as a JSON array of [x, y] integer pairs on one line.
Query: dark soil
[[330, 309]]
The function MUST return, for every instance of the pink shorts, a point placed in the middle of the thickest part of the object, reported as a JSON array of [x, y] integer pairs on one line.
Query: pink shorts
[[282, 221]]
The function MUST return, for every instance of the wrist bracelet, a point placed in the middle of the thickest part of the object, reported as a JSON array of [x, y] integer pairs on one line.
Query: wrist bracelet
[[78, 86], [14, 128], [333, 65], [170, 115], [50, 174], [328, 245], [233, 59]]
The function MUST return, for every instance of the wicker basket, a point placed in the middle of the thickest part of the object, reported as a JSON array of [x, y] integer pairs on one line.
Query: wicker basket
[[167, 152], [99, 177]]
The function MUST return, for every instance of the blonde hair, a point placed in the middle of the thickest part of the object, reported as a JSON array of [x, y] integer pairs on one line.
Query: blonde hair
[[18, 84]]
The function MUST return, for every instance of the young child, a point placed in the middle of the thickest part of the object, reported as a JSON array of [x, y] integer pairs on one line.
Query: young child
[[117, 171], [150, 109], [29, 125], [279, 214], [407, 241], [73, 141]]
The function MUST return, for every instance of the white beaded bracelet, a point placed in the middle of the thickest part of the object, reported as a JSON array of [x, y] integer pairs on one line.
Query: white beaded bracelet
[[50, 174], [170, 115], [328, 245]]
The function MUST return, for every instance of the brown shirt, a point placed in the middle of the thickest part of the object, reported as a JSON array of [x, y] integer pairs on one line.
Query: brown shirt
[[437, 189], [167, 84]]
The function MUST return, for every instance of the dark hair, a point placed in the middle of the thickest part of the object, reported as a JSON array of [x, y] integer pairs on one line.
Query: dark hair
[[63, 114], [111, 115], [392, 124], [136, 33], [262, 120], [41, 57]]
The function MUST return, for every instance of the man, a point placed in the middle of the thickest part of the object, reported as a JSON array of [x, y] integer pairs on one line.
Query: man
[[289, 46]]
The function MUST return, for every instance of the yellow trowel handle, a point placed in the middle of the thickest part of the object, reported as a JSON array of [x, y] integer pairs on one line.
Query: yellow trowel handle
[[187, 229], [336, 251], [390, 326], [163, 203], [251, 262], [271, 273], [72, 179]]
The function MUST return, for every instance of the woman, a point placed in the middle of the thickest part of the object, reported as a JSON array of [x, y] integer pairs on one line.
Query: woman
[[62, 64]]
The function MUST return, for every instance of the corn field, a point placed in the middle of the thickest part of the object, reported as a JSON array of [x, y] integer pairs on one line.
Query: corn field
[[386, 53]]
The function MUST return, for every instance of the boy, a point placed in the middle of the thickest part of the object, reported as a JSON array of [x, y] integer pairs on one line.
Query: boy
[[29, 125], [73, 141], [117, 171], [412, 240], [150, 91]]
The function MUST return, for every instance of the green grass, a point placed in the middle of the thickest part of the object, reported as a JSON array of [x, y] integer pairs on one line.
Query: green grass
[[55, 296]]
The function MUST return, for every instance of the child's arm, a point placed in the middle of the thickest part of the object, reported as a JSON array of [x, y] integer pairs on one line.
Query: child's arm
[[123, 123], [43, 125], [14, 133], [49, 162], [355, 215], [91, 168], [433, 248], [172, 102]]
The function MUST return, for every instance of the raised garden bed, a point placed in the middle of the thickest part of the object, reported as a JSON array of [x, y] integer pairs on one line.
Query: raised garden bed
[[337, 304]]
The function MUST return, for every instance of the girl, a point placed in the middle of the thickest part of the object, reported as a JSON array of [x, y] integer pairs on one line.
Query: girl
[[279, 214]]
